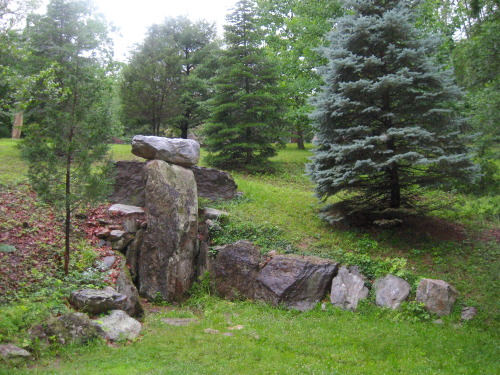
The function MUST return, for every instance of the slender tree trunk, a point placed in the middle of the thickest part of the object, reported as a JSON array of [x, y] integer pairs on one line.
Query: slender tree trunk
[[395, 187], [67, 229]]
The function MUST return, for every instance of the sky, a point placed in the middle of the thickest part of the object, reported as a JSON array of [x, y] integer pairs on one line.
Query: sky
[[133, 17]]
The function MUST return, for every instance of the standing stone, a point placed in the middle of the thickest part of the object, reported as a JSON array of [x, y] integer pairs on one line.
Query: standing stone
[[214, 184], [348, 288], [235, 269], [168, 254], [437, 295], [129, 183], [390, 291], [183, 152], [297, 282]]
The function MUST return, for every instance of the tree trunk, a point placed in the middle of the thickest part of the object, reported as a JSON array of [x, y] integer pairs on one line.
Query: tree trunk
[[395, 187], [300, 140], [18, 124], [67, 227]]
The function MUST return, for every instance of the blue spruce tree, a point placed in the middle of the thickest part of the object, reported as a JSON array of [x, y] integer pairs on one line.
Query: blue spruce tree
[[384, 119]]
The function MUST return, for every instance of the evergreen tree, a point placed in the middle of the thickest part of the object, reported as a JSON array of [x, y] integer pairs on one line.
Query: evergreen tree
[[384, 119], [66, 150], [246, 113]]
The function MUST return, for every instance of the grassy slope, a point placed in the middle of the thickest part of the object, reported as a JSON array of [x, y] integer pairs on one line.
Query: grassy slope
[[370, 342]]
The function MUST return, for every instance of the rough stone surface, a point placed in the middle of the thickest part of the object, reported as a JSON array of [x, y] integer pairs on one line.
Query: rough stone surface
[[179, 321], [72, 328], [123, 242], [297, 282], [437, 295], [97, 301], [129, 183], [116, 234], [235, 269], [214, 184], [348, 288], [468, 313], [107, 262], [118, 326], [390, 291], [124, 209], [133, 253], [131, 226], [204, 256], [125, 286], [214, 214], [183, 152], [12, 353], [168, 255]]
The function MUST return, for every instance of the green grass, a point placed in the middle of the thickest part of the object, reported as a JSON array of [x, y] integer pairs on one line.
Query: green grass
[[279, 211]]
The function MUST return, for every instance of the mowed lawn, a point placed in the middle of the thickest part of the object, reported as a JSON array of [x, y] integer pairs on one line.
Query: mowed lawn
[[325, 340]]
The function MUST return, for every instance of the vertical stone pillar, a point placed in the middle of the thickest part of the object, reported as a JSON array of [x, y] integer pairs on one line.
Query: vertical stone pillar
[[18, 124]]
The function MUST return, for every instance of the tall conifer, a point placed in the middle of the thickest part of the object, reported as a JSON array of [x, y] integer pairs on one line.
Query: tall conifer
[[246, 111], [384, 119]]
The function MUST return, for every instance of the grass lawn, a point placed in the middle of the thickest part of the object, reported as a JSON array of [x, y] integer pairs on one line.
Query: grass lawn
[[278, 211]]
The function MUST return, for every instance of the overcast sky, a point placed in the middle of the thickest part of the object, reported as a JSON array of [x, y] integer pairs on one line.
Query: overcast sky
[[133, 17]]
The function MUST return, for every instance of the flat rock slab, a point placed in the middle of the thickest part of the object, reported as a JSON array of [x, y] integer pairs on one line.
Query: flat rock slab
[[391, 291], [97, 301], [437, 295], [124, 209], [183, 152], [118, 326], [12, 353], [297, 282], [215, 214], [179, 321]]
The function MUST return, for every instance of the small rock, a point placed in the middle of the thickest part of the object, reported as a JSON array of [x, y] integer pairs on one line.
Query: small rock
[[125, 209], [348, 288], [118, 326], [238, 327], [4, 248], [323, 306], [115, 235], [212, 331], [123, 242], [391, 291], [438, 321], [437, 295], [131, 226], [102, 221], [228, 334], [468, 313], [115, 227], [211, 225], [103, 234], [96, 301], [179, 321], [214, 214], [107, 263], [12, 353]]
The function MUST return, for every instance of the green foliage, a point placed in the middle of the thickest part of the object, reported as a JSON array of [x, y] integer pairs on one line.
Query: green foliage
[[265, 235], [66, 149], [385, 121], [246, 113]]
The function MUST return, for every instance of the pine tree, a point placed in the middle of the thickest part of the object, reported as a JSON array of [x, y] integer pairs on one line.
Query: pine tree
[[246, 112], [384, 119]]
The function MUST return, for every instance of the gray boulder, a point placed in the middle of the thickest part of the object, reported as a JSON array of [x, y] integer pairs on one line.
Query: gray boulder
[[235, 269], [97, 301], [129, 183], [72, 328], [297, 282], [183, 152], [390, 291], [348, 288], [437, 295], [214, 184], [169, 250], [125, 286], [13, 354], [118, 326]]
